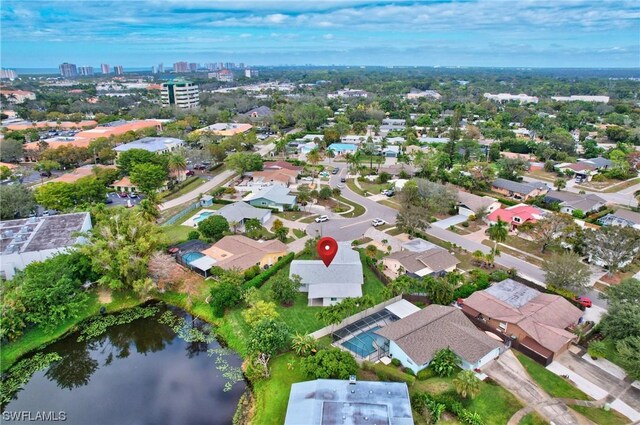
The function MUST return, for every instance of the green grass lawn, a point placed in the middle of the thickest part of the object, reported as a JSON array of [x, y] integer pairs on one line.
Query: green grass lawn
[[550, 382], [357, 210], [299, 233], [176, 233], [374, 188], [601, 416], [532, 419], [272, 395], [291, 215], [495, 404], [187, 186], [37, 338], [394, 232], [310, 219], [622, 186], [390, 204], [352, 185]]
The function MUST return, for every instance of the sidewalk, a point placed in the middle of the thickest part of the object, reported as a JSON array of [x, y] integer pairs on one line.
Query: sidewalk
[[194, 194]]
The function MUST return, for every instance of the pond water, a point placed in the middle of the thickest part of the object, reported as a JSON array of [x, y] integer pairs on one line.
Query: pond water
[[137, 373]]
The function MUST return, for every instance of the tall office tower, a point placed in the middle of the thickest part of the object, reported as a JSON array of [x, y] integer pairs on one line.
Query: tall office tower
[[104, 68], [181, 67], [193, 67], [8, 74], [118, 70], [250, 73], [241, 65], [180, 94], [160, 68], [220, 65], [154, 69], [210, 66], [85, 71], [229, 65], [68, 70]]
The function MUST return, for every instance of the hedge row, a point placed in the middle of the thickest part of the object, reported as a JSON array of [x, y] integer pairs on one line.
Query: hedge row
[[259, 280], [388, 373]]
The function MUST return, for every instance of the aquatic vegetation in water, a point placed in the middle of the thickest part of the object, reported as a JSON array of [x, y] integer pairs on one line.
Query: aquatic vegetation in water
[[21, 373], [99, 325]]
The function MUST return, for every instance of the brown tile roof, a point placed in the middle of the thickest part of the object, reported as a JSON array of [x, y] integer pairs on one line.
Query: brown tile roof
[[282, 175], [79, 173], [544, 317], [421, 334], [240, 252], [437, 259], [281, 164]]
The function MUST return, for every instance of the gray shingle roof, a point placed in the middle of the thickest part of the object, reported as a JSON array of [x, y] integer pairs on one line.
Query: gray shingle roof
[[420, 335], [437, 259], [239, 211], [517, 187], [345, 269], [275, 193]]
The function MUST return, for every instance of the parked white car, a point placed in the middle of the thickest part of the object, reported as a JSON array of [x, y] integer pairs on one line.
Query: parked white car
[[378, 222], [322, 218]]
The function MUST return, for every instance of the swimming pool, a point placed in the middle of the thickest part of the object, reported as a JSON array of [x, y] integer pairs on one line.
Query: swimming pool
[[362, 344], [202, 216], [189, 257]]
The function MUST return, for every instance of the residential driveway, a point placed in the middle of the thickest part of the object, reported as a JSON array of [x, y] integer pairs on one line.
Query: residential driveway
[[379, 236], [195, 193], [507, 371], [451, 221], [599, 383]]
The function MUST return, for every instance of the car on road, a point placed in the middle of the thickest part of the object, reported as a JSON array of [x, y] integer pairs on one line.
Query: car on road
[[389, 192], [133, 195], [322, 219], [343, 180], [335, 170], [584, 301], [378, 222], [307, 179], [190, 173], [123, 195], [45, 174], [340, 186], [108, 201]]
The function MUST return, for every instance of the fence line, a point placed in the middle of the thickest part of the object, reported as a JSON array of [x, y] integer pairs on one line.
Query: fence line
[[181, 214], [354, 318]]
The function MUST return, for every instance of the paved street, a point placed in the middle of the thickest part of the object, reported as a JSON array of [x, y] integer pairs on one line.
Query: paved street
[[346, 229]]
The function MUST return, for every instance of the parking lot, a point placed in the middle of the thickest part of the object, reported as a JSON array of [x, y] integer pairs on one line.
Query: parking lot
[[117, 200]]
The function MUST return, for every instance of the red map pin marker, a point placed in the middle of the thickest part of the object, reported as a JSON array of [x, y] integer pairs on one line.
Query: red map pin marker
[[327, 250]]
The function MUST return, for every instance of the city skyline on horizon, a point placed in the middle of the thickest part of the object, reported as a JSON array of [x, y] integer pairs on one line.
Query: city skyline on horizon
[[404, 33]]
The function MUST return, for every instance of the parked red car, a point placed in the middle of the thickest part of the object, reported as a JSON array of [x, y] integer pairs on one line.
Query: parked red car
[[191, 173], [123, 195], [586, 302]]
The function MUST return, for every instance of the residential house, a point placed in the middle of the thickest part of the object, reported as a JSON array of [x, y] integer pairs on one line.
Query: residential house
[[519, 191], [415, 339], [225, 129], [330, 285], [305, 148], [343, 148], [283, 177], [333, 401], [398, 168], [239, 212], [437, 140], [64, 125], [348, 94], [622, 218], [239, 252], [570, 201], [395, 140], [418, 258], [125, 185], [261, 114], [507, 97], [28, 240], [539, 322], [516, 215], [390, 151], [581, 98], [582, 170], [278, 165], [18, 96], [598, 163], [470, 204], [276, 197]]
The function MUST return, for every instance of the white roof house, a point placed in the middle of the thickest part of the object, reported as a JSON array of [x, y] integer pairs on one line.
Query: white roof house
[[152, 144], [330, 285]]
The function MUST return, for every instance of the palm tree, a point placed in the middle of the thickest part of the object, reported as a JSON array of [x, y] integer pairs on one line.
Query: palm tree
[[560, 184], [149, 210], [498, 233], [303, 344], [281, 145], [314, 157], [371, 251], [478, 256], [467, 384], [177, 167]]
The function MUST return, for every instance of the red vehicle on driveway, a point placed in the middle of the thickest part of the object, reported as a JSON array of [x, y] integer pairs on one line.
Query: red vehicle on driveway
[[585, 301]]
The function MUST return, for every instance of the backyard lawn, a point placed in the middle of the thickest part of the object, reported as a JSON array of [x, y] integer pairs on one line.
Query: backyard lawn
[[176, 233], [291, 215], [549, 381], [532, 419], [601, 416], [187, 186]]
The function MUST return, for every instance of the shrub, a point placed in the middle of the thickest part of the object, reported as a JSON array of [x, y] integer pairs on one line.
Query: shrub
[[465, 224], [577, 213], [260, 279], [388, 373], [425, 374], [331, 363], [444, 362], [408, 371], [396, 362], [498, 276], [194, 234]]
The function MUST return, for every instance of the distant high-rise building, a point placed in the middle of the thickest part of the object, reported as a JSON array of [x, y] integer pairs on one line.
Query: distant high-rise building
[[160, 68], [180, 93], [85, 71], [229, 65], [8, 74], [118, 70], [68, 70], [241, 65], [222, 75], [250, 73], [193, 67], [181, 67], [211, 66], [154, 69], [104, 68], [220, 65]]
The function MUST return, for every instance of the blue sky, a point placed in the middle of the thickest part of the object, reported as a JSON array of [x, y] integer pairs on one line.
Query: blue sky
[[509, 33]]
